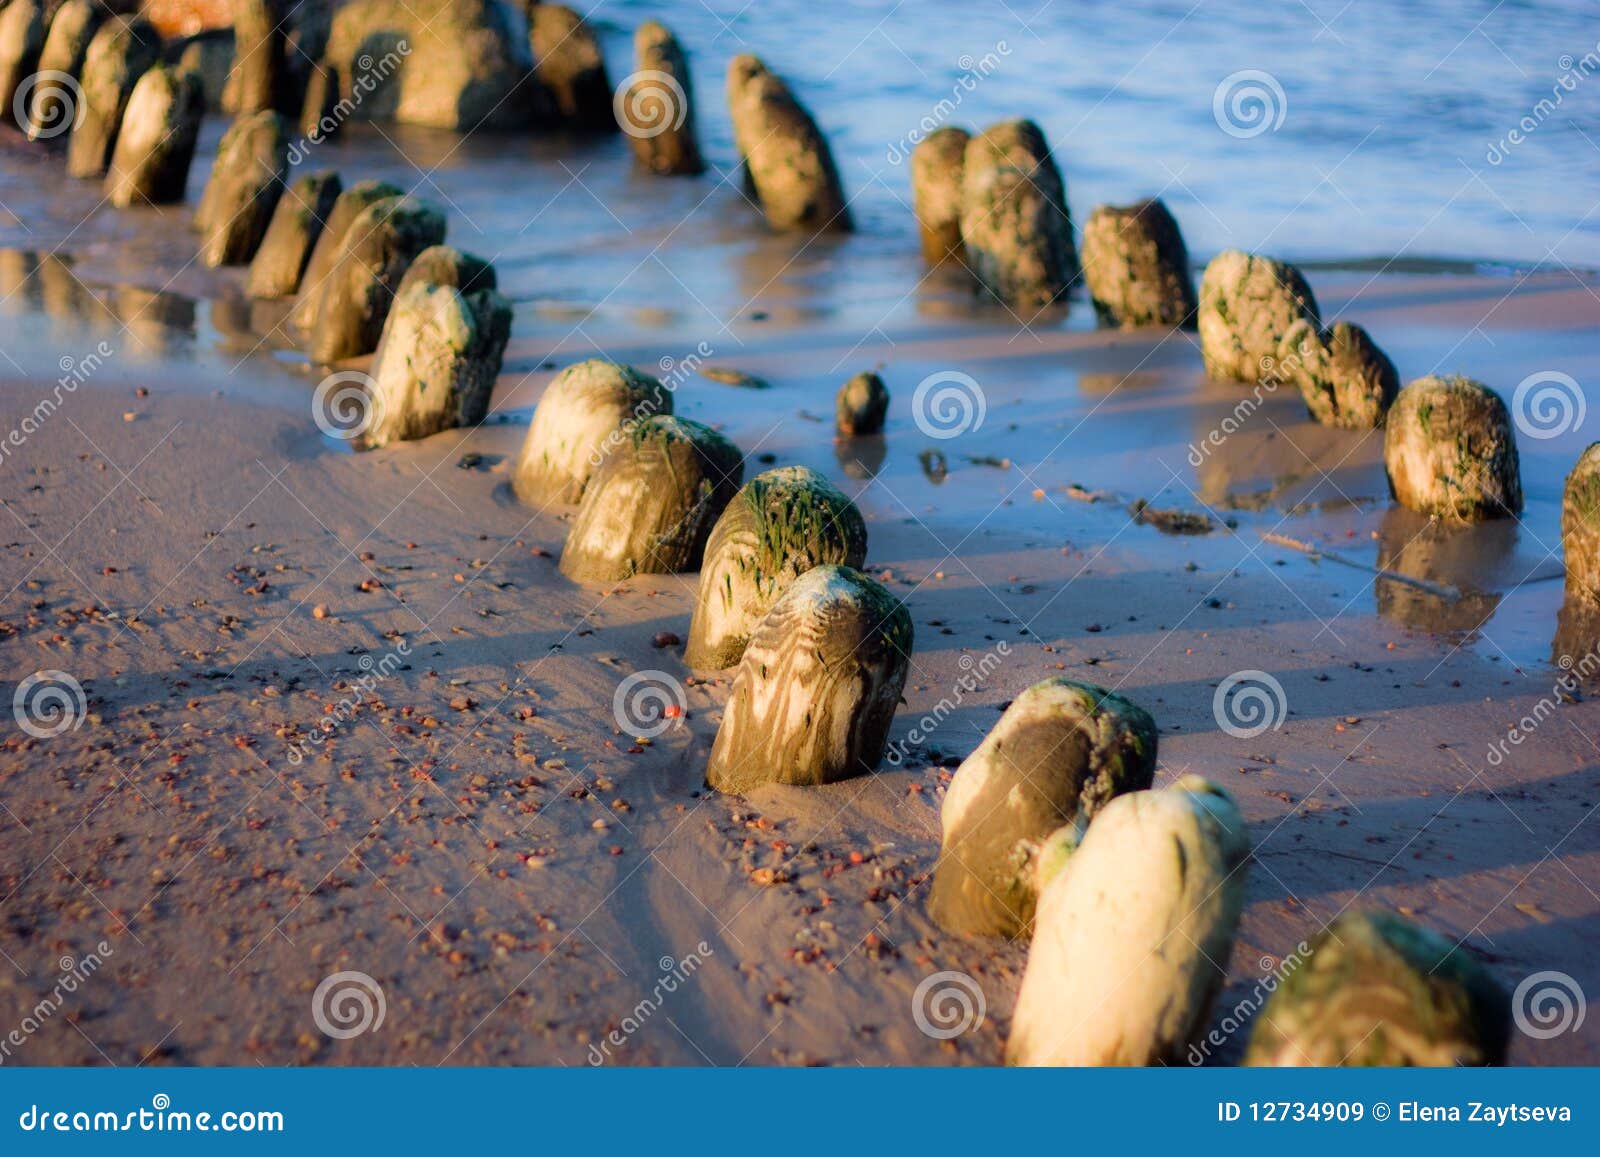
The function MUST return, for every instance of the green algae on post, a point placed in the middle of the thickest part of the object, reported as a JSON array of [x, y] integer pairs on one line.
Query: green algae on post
[[860, 406], [1580, 527], [120, 53], [1247, 305], [373, 257], [787, 161], [243, 190], [657, 110], [1380, 990], [579, 421], [297, 223], [436, 365], [1449, 451], [937, 164], [351, 203], [1137, 266], [783, 523], [1015, 227], [818, 685], [1133, 931], [652, 503], [1062, 749], [1342, 375], [155, 142]]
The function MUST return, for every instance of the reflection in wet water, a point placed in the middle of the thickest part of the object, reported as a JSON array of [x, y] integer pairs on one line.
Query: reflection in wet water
[[861, 457], [1471, 559], [153, 323]]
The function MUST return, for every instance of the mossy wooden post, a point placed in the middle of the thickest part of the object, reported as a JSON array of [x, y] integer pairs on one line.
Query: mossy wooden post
[[652, 503], [787, 160], [22, 33], [936, 167], [1016, 230], [245, 185], [1247, 305], [1345, 379], [781, 524], [1134, 931], [1137, 267], [657, 110], [579, 421], [442, 265], [1062, 749], [436, 365], [376, 251], [1580, 526], [258, 80], [1379, 990], [120, 53], [860, 406], [53, 102], [351, 203], [1450, 451], [296, 224], [818, 685], [570, 68], [155, 142]]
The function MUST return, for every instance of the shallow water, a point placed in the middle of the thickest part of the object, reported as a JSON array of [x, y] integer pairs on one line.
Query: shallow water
[[1379, 167]]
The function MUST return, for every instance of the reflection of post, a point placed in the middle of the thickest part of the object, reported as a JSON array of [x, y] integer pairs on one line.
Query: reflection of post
[[1460, 556], [861, 457]]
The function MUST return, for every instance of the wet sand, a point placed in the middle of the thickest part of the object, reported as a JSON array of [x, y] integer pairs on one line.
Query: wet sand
[[518, 874]]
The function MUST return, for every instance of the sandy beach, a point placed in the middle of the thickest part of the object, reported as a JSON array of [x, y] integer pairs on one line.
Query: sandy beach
[[341, 713]]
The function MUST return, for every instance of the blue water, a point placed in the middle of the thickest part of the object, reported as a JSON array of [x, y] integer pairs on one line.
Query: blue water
[[1390, 109]]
